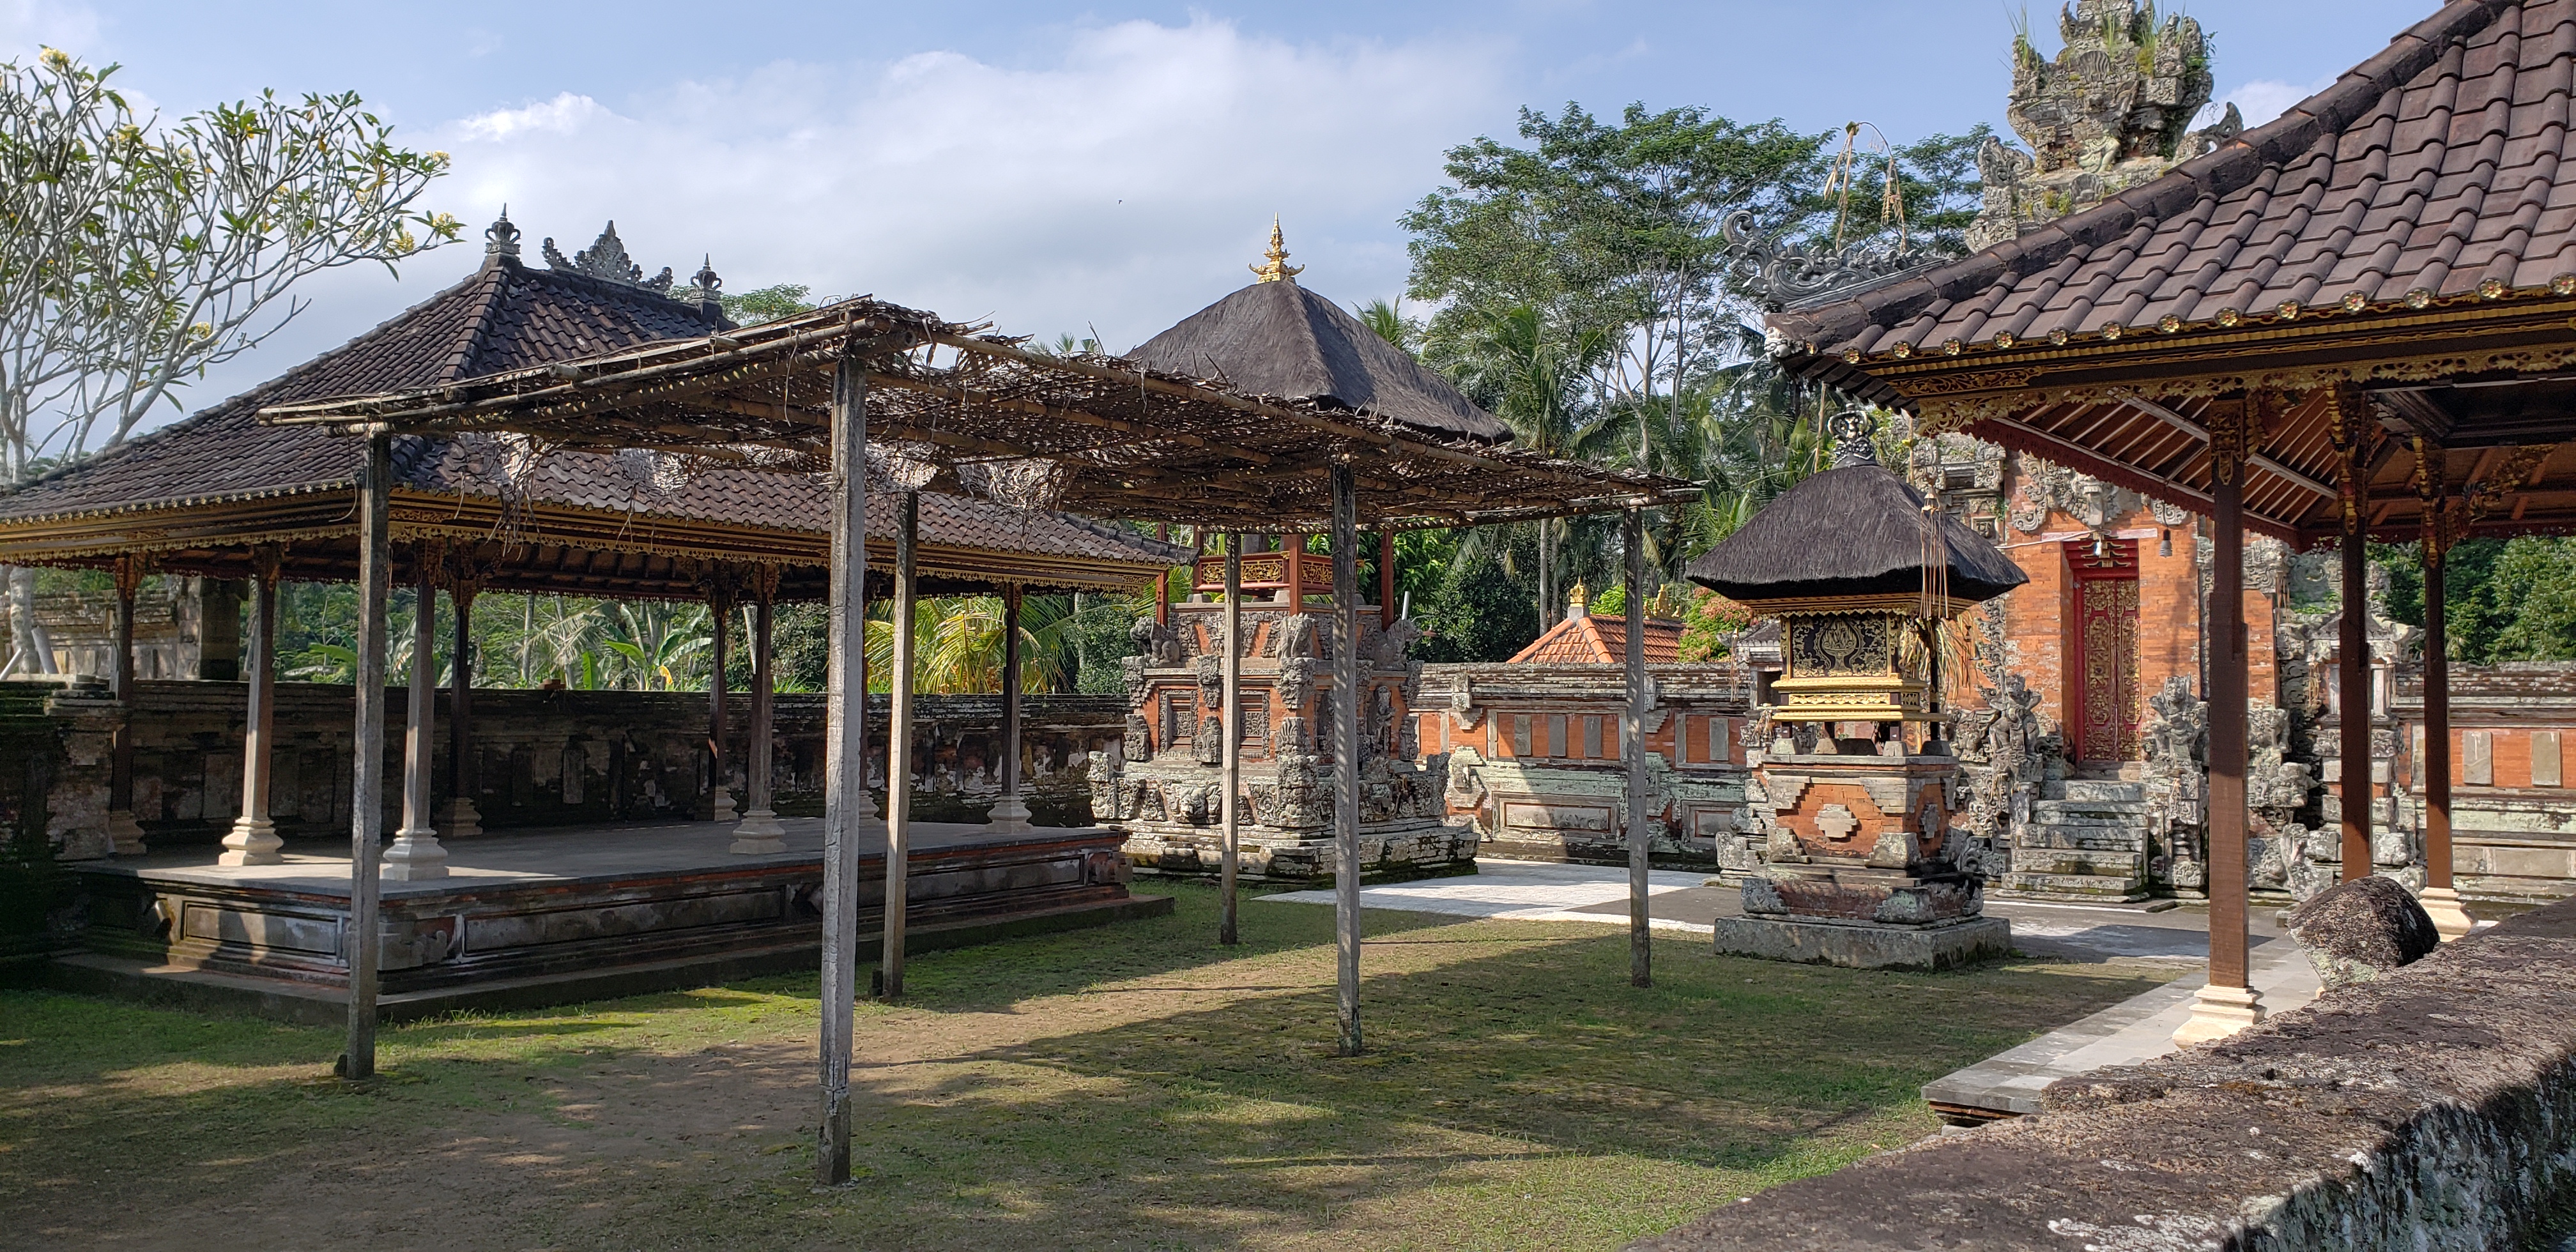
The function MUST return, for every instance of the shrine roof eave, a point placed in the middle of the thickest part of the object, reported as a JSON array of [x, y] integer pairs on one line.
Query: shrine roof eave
[[546, 549], [1094, 435]]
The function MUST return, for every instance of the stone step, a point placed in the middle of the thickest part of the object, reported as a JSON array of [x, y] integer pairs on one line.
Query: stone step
[[2074, 886], [2081, 838], [2062, 862], [2087, 810], [2095, 789]]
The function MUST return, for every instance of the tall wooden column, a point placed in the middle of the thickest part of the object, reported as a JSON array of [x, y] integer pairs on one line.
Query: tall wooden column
[[367, 768], [720, 619], [253, 839], [463, 819], [415, 854], [2228, 1003], [1230, 819], [2433, 769], [2347, 422], [1348, 696], [1293, 555], [760, 834], [898, 878], [845, 769], [1385, 579], [125, 833], [1632, 744], [1163, 581], [1010, 814]]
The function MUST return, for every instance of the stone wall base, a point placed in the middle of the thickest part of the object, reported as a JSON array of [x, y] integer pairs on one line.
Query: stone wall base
[[1861, 946]]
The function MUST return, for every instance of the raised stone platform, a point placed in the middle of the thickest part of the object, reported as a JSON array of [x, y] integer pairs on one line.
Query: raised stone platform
[[2086, 841], [1852, 945], [567, 915]]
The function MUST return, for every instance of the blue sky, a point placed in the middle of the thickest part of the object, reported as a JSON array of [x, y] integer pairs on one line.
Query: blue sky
[[1049, 167]]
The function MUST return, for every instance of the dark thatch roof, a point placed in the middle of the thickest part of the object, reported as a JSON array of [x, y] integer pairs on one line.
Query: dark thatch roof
[[1856, 530], [1279, 339]]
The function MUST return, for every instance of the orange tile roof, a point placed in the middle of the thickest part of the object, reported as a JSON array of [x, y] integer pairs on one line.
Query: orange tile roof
[[1596, 640]]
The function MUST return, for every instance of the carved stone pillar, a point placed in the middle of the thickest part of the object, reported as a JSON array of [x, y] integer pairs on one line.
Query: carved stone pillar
[[253, 839], [416, 855], [760, 834], [122, 829], [461, 819], [1010, 814], [720, 602]]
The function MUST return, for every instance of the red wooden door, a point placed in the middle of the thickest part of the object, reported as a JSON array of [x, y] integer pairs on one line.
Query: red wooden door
[[2106, 668]]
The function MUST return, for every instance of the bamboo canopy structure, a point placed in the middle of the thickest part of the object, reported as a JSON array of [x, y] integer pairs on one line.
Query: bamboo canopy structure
[[886, 397]]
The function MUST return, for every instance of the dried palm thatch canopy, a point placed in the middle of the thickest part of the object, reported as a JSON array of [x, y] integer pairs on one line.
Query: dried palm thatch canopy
[[977, 413], [1855, 530]]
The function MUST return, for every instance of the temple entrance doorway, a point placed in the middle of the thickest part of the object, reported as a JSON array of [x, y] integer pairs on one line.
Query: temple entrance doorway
[[2103, 649]]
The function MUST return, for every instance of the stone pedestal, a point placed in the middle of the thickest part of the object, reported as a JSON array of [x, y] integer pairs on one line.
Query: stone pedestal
[[1008, 816], [1865, 945], [2217, 1012], [459, 819], [759, 835], [125, 833], [414, 856], [2442, 904], [720, 804], [252, 841]]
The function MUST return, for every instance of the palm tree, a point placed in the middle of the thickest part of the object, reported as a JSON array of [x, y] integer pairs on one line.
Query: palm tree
[[1538, 379]]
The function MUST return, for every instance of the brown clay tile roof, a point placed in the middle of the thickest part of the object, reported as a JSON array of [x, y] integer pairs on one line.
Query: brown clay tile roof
[[506, 316], [1596, 640], [2438, 164]]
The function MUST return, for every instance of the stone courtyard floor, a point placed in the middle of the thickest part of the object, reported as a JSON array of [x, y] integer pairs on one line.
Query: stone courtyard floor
[[2172, 940], [1135, 1086]]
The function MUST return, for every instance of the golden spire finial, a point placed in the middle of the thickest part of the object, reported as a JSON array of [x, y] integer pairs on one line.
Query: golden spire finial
[[1275, 268], [1578, 602]]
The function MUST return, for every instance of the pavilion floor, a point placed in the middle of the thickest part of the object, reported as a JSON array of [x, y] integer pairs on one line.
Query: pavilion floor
[[564, 915]]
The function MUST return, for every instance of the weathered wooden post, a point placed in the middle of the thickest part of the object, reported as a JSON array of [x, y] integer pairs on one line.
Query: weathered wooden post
[[124, 832], [1347, 698], [367, 769], [253, 839], [2229, 1002], [1385, 578], [464, 818], [845, 773], [2433, 765], [759, 833], [415, 854], [1632, 737], [2348, 423], [720, 619], [899, 749], [1010, 814], [1230, 819]]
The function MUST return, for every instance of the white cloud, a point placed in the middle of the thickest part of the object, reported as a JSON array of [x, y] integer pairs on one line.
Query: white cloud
[[26, 25], [2262, 100], [1123, 186]]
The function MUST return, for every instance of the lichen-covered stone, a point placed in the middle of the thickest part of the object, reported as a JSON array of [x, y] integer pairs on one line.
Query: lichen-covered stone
[[2361, 930]]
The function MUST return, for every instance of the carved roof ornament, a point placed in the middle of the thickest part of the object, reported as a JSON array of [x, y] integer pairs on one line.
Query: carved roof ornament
[[606, 258], [1779, 274], [1274, 267], [501, 238], [1853, 445]]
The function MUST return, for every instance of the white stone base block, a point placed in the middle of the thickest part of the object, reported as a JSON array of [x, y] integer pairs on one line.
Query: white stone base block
[[722, 804], [1862, 945], [759, 835], [2217, 1012], [1008, 817], [125, 833], [252, 841], [2442, 904], [459, 819], [415, 857]]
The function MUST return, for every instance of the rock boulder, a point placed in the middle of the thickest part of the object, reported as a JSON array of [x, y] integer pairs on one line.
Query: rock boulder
[[2360, 930]]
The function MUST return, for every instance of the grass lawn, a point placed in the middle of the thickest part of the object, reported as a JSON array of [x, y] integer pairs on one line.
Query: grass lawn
[[1133, 1087]]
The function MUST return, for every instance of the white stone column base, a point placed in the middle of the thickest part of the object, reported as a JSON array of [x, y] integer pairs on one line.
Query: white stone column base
[[459, 819], [723, 804], [125, 833], [2442, 904], [415, 857], [759, 835], [252, 841], [1008, 817], [2217, 1012]]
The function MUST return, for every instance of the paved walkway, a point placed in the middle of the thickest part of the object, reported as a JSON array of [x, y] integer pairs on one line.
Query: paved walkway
[[2138, 1029]]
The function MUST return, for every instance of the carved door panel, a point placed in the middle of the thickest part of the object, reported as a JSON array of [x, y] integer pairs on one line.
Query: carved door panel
[[2106, 667]]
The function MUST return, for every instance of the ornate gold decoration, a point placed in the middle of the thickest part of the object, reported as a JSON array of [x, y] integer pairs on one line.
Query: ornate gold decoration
[[2287, 310], [2057, 337], [1578, 600], [2419, 298], [2229, 318], [1952, 348], [2108, 726], [1274, 267], [2169, 324], [2004, 339], [1902, 350], [2487, 495], [2446, 517], [2348, 428], [2563, 285], [2227, 442], [2491, 289], [2355, 302], [2111, 331]]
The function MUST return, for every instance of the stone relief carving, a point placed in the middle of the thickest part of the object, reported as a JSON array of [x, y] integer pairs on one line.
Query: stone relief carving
[[1159, 644], [2045, 486]]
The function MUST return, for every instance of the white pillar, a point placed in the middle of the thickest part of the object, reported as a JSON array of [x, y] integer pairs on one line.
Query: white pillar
[[1347, 698], [367, 769], [253, 839], [760, 834], [845, 774], [415, 855], [1010, 815], [899, 751]]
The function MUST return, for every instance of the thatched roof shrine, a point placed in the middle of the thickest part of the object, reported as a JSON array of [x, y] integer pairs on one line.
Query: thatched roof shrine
[[1856, 530], [196, 495], [1275, 338]]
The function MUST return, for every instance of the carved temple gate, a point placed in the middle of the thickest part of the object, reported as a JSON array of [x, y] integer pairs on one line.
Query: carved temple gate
[[2104, 700]]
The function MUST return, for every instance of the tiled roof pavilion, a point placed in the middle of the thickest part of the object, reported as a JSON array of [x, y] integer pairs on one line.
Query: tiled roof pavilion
[[2409, 231], [194, 495]]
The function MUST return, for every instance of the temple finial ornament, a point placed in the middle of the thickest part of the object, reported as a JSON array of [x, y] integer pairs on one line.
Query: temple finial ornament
[[1275, 267], [1578, 602], [501, 238], [1853, 445]]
